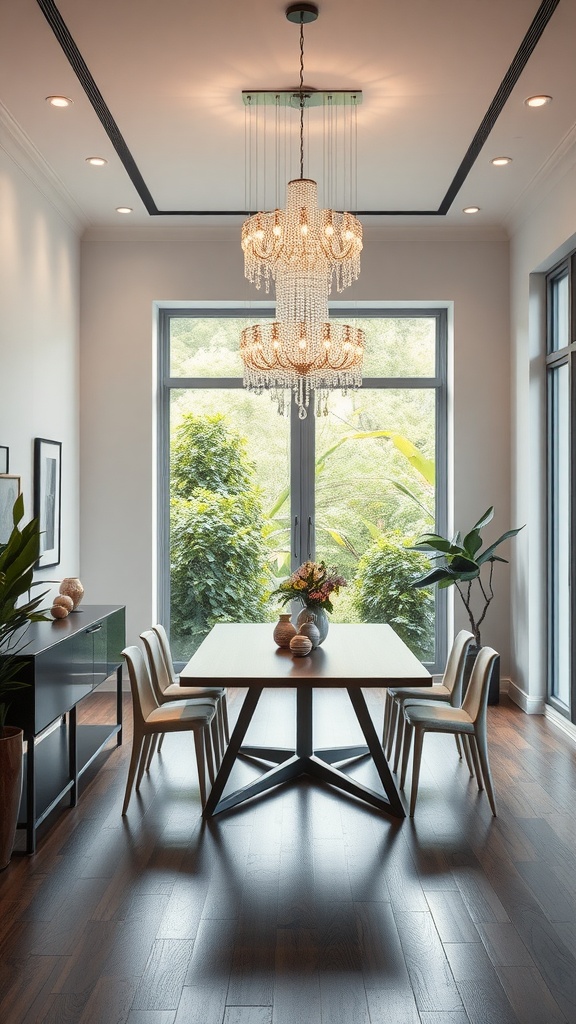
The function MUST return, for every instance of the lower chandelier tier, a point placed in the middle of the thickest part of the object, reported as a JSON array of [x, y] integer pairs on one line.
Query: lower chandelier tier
[[303, 358]]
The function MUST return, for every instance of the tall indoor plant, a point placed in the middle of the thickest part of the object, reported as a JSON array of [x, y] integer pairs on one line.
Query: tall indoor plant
[[17, 560], [464, 563]]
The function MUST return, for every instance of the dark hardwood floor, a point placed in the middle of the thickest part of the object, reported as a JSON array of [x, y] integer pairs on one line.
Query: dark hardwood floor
[[303, 907]]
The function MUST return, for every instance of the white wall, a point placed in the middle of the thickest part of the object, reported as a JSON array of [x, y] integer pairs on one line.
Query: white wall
[[39, 325], [543, 237], [121, 280]]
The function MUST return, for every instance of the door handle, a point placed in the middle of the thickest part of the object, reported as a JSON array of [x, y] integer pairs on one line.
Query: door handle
[[309, 541], [296, 545], [94, 629]]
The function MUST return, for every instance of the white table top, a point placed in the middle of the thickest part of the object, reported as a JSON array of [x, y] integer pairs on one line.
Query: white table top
[[352, 655]]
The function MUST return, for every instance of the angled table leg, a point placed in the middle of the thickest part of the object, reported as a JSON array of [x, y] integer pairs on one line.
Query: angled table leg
[[244, 718], [366, 724]]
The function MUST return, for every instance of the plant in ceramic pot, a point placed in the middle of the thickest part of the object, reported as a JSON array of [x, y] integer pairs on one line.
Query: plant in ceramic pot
[[17, 560], [313, 584], [466, 564]]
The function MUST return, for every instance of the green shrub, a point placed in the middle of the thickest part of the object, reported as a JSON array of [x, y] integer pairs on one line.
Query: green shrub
[[216, 549], [383, 592]]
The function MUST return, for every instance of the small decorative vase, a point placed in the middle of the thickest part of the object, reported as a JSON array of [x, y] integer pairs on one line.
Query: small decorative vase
[[319, 618], [310, 629], [300, 646], [72, 587], [284, 631]]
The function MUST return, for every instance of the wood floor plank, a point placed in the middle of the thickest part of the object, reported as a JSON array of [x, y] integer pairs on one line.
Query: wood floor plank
[[163, 977], [431, 978], [451, 917], [529, 996], [296, 977], [484, 1001], [389, 992], [203, 999], [248, 1015]]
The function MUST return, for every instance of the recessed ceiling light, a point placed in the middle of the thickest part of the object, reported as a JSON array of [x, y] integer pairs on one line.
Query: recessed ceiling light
[[501, 161], [124, 209], [59, 101], [96, 161], [471, 209], [538, 101]]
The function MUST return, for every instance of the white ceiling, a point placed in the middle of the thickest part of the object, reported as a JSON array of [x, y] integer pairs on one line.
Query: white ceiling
[[172, 74]]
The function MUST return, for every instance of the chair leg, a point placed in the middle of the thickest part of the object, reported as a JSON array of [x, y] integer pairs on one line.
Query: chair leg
[[482, 745], [219, 752], [212, 749], [387, 712], [406, 744], [143, 758], [201, 763], [161, 741], [134, 759], [467, 755], [153, 747], [477, 768], [224, 705], [399, 734], [418, 741], [458, 744], [392, 728]]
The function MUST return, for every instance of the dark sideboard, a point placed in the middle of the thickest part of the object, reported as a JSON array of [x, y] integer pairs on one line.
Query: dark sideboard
[[63, 662]]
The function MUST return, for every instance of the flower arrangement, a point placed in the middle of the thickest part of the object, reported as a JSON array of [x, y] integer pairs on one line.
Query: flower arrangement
[[313, 583]]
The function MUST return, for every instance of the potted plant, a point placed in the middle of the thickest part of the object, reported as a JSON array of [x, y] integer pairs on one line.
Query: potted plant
[[17, 560], [461, 563]]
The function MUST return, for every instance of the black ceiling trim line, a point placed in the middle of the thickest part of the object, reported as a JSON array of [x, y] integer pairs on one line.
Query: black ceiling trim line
[[80, 68], [526, 48]]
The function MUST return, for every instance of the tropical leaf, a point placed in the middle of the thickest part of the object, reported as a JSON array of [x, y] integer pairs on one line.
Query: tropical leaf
[[487, 554], [485, 519]]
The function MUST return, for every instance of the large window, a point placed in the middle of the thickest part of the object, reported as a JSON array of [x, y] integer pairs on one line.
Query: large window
[[249, 494], [561, 347]]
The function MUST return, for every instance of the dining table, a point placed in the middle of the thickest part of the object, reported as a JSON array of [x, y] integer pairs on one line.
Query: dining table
[[353, 657]]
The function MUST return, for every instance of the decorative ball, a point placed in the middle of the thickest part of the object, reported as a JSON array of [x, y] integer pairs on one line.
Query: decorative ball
[[58, 611], [65, 601], [72, 587], [300, 645]]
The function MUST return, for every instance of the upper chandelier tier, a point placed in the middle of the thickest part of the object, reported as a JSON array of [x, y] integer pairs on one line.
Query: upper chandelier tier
[[302, 238]]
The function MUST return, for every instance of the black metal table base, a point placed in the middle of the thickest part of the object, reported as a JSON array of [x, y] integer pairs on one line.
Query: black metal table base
[[305, 760]]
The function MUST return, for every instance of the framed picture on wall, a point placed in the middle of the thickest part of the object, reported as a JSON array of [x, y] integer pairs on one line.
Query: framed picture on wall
[[47, 494], [9, 491], [4, 459]]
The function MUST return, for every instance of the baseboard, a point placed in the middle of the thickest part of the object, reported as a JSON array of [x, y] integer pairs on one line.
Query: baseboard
[[560, 722], [531, 705]]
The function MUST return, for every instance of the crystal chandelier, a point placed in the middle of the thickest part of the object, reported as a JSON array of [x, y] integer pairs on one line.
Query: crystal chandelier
[[304, 250]]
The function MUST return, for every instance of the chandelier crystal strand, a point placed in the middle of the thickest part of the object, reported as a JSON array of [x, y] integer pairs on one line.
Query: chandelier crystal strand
[[304, 250]]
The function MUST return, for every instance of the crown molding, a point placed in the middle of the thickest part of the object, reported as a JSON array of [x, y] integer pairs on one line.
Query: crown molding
[[22, 151], [558, 164]]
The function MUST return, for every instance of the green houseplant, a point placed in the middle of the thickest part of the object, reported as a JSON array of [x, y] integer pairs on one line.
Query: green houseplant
[[466, 564], [17, 560]]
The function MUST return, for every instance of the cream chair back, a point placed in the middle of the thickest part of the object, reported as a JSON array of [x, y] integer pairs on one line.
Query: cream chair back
[[160, 676], [143, 700], [454, 671], [165, 646], [476, 699]]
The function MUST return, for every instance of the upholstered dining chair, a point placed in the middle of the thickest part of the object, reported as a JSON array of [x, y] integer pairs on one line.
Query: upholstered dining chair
[[468, 721], [151, 720], [166, 691], [449, 691], [217, 692]]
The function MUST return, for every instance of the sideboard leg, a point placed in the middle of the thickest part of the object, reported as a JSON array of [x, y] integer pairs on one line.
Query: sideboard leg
[[30, 796]]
